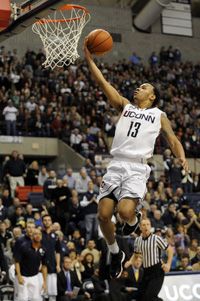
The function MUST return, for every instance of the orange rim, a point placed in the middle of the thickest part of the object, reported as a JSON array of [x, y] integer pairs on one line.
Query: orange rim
[[64, 7]]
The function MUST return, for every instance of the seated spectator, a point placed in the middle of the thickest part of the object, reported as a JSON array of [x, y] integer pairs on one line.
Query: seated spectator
[[132, 282], [88, 264], [91, 250], [66, 282], [32, 174], [101, 287], [157, 221], [196, 258], [192, 251], [77, 264], [196, 266], [184, 264]]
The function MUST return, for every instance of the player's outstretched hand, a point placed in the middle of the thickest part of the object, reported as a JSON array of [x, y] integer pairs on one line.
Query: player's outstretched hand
[[184, 164], [88, 55]]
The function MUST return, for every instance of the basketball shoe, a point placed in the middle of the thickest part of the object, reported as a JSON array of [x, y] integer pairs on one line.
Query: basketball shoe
[[116, 265], [127, 230]]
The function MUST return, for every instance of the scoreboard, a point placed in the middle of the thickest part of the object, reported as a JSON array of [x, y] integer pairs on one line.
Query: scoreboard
[[177, 18]]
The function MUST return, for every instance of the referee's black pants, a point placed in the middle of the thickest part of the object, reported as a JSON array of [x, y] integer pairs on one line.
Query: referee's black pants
[[151, 283]]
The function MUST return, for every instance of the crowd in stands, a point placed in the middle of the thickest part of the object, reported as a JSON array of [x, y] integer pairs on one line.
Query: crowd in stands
[[70, 205], [67, 104]]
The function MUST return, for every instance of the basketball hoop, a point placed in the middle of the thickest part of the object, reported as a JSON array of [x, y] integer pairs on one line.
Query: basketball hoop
[[60, 34]]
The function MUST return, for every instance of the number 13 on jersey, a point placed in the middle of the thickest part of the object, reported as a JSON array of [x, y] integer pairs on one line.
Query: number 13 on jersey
[[133, 129]]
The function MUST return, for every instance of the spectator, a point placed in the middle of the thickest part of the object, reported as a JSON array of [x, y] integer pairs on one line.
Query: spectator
[[196, 258], [175, 175], [10, 113], [75, 213], [52, 246], [187, 181], [132, 283], [4, 234], [50, 185], [29, 215], [32, 174], [67, 282], [169, 216], [61, 196], [101, 287], [89, 204], [3, 211], [77, 265], [181, 238], [91, 250], [184, 264], [6, 198], [70, 178], [157, 221], [88, 263], [193, 224], [82, 182], [15, 169], [193, 248], [43, 175]]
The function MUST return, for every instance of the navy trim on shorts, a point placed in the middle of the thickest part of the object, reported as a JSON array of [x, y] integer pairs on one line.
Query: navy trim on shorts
[[110, 196]]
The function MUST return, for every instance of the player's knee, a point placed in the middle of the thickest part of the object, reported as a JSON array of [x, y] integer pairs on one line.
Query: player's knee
[[104, 217], [126, 214]]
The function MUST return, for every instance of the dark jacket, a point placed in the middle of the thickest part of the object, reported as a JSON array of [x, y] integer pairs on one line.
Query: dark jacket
[[61, 282]]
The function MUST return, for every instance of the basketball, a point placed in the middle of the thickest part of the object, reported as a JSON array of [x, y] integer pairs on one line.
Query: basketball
[[99, 41]]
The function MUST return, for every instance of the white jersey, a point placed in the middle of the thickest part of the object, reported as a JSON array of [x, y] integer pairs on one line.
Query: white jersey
[[136, 132]]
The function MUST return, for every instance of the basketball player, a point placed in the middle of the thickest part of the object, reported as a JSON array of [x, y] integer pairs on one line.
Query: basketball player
[[124, 183]]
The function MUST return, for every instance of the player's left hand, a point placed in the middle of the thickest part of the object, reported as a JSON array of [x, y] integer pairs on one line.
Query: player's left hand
[[166, 267], [184, 164]]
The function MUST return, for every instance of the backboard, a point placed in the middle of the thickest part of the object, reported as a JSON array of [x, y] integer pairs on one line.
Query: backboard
[[18, 16]]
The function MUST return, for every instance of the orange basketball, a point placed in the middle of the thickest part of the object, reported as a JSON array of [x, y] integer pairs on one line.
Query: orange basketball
[[99, 41]]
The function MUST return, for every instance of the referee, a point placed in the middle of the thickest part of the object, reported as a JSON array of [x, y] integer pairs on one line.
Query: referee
[[150, 246]]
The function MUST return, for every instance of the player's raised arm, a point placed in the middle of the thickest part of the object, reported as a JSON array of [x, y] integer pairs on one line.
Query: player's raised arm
[[173, 141], [115, 99]]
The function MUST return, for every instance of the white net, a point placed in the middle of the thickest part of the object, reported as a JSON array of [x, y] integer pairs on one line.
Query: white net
[[60, 35]]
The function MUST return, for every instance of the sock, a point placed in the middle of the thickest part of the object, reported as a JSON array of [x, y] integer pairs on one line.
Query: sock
[[133, 223], [114, 248]]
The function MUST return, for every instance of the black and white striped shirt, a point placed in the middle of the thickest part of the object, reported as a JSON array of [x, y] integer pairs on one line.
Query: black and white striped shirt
[[150, 248]]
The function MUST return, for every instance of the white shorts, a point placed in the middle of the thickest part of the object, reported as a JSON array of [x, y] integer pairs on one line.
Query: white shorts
[[52, 284], [125, 179], [31, 290]]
